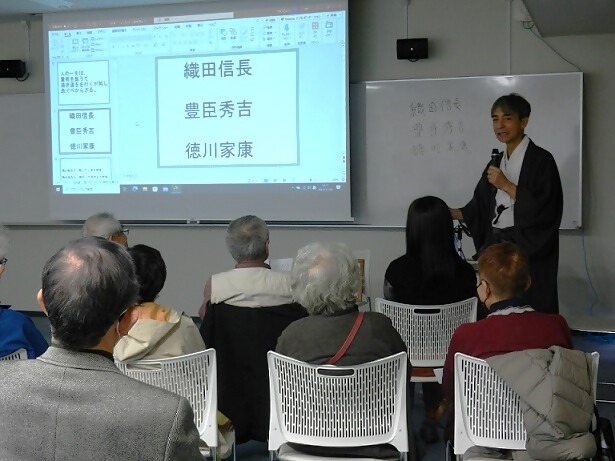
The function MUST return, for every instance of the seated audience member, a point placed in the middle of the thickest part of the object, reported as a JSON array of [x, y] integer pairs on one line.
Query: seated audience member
[[157, 332], [250, 307], [160, 332], [72, 403], [17, 331], [431, 272], [105, 226], [252, 283], [325, 280], [512, 325]]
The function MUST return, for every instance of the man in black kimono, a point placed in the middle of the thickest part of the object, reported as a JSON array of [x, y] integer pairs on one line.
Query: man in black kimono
[[520, 201]]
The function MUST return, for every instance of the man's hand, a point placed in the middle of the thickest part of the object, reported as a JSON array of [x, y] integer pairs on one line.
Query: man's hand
[[498, 179]]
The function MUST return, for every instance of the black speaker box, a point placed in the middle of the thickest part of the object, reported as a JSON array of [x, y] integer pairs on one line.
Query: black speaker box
[[412, 48], [12, 68]]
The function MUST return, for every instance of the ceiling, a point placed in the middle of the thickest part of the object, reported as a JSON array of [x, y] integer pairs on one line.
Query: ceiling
[[17, 9], [572, 17], [552, 17]]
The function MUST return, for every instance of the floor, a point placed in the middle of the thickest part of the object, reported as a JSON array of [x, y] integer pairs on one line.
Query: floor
[[605, 345]]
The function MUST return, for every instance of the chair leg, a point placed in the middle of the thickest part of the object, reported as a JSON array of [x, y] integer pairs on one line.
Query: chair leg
[[411, 388], [449, 451], [213, 451]]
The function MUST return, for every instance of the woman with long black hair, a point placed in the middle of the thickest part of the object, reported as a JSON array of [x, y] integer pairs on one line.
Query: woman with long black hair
[[431, 272]]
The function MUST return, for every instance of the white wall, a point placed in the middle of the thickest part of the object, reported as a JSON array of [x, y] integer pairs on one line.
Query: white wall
[[473, 37]]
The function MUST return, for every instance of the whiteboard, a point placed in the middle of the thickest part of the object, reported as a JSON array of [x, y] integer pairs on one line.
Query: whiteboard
[[411, 138]]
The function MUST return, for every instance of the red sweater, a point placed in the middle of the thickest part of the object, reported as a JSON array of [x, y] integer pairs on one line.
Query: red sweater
[[500, 334]]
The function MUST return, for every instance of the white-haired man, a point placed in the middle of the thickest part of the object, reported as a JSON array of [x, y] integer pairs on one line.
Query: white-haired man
[[251, 283], [244, 312], [104, 225]]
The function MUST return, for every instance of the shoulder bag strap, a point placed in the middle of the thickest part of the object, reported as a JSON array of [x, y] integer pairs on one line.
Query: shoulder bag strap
[[349, 339]]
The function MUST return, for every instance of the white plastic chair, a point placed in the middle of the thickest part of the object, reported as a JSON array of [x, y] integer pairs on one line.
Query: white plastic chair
[[192, 376], [427, 330], [19, 354], [487, 411], [330, 406]]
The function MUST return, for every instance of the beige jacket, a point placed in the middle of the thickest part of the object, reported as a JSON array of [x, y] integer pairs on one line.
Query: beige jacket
[[160, 332], [555, 390]]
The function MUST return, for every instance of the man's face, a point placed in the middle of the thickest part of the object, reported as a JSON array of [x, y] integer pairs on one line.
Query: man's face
[[508, 127]]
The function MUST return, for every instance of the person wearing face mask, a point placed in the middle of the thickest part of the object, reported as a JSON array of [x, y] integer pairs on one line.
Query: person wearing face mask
[[72, 402], [154, 331], [157, 332], [512, 325]]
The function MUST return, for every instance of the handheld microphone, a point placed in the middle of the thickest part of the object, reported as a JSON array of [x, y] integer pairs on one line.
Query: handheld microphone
[[496, 158]]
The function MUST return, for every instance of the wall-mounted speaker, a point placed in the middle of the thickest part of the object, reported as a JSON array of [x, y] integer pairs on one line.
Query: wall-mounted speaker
[[12, 68], [412, 48]]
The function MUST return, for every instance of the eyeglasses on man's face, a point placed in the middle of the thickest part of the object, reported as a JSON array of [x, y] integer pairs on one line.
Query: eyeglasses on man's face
[[3, 261]]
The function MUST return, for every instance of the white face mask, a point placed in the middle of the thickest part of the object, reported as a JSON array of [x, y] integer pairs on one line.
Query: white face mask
[[478, 290]]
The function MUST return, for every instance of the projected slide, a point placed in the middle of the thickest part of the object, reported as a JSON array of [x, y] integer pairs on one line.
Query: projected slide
[[238, 109], [237, 102]]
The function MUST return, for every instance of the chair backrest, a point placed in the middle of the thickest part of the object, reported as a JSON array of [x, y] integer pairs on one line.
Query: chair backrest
[[242, 336], [427, 330], [19, 354], [192, 376], [487, 410], [325, 405]]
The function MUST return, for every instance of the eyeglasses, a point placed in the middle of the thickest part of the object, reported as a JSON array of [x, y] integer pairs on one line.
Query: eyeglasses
[[3, 261], [125, 230]]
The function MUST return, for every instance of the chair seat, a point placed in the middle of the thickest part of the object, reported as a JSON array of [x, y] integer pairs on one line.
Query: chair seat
[[287, 453], [486, 454], [423, 375]]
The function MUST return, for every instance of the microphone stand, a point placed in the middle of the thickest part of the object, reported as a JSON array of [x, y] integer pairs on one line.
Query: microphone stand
[[460, 229]]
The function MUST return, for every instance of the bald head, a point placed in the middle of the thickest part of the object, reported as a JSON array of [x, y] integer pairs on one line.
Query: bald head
[[86, 286]]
